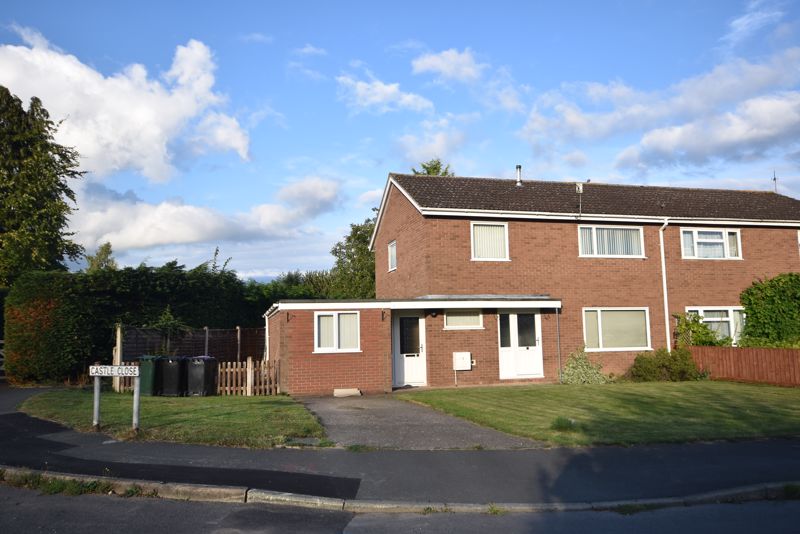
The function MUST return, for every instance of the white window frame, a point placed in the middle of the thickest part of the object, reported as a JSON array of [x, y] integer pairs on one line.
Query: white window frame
[[335, 315], [600, 311], [725, 232], [478, 327], [730, 309], [581, 253], [472, 239], [389, 247]]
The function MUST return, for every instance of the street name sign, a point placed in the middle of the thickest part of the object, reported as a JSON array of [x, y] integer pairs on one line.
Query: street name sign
[[113, 370]]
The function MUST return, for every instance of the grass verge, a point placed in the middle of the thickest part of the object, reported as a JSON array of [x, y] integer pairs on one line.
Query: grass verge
[[254, 422], [625, 413]]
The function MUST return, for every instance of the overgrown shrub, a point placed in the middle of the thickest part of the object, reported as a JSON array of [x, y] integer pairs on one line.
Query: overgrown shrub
[[772, 307], [663, 365], [691, 330], [579, 369]]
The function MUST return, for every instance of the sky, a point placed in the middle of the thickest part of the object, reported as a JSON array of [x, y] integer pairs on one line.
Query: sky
[[267, 128]]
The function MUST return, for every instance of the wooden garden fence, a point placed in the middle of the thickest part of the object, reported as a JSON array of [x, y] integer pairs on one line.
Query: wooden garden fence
[[768, 366], [250, 378]]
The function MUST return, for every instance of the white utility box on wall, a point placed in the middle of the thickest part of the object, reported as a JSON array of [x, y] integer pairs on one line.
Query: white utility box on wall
[[462, 361]]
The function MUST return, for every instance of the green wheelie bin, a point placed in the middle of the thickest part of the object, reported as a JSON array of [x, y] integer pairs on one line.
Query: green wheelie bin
[[150, 375]]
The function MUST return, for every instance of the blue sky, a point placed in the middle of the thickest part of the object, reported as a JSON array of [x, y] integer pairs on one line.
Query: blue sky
[[267, 129]]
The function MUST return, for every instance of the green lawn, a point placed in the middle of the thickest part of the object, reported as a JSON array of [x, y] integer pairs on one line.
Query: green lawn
[[625, 413], [256, 422]]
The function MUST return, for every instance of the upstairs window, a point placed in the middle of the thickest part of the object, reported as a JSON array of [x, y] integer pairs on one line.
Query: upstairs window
[[336, 332], [393, 255], [711, 244], [489, 241], [611, 241]]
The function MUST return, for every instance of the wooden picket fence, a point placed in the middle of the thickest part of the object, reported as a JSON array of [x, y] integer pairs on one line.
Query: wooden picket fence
[[250, 378]]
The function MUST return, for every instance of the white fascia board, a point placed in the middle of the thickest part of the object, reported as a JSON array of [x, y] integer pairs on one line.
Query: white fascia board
[[649, 219], [415, 305], [389, 182]]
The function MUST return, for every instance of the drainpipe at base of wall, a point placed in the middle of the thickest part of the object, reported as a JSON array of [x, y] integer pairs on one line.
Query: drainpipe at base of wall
[[664, 283]]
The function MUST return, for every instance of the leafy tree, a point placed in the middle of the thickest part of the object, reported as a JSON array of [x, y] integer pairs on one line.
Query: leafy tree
[[35, 199], [353, 276], [102, 259], [434, 167]]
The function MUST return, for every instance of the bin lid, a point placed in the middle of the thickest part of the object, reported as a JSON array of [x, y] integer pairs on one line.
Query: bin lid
[[148, 357], [203, 357]]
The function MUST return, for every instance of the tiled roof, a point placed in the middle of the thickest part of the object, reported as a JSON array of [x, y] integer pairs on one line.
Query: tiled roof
[[495, 194]]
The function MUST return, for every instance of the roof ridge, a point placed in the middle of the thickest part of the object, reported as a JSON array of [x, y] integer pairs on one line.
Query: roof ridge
[[605, 184]]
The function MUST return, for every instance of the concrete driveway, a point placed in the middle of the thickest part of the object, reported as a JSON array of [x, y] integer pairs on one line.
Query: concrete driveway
[[384, 422]]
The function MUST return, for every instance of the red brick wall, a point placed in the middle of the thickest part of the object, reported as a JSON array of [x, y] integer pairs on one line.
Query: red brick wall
[[306, 373], [766, 252], [484, 346], [544, 259], [402, 223]]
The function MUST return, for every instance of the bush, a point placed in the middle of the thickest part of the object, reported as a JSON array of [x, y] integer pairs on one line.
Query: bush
[[691, 330], [663, 365], [579, 369], [772, 307]]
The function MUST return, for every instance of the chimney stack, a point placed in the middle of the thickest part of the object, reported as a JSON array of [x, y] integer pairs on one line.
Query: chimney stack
[[519, 175]]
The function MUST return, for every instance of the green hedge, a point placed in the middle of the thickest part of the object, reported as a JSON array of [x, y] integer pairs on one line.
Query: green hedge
[[772, 308], [58, 323], [46, 336], [3, 293]]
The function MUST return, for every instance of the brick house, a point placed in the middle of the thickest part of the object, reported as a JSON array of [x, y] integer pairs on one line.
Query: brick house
[[488, 281]]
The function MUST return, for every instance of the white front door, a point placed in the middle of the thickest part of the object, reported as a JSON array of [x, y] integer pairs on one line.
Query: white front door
[[410, 363], [520, 333]]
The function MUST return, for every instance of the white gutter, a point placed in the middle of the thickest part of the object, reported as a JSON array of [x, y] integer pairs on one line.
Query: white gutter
[[664, 282], [641, 219]]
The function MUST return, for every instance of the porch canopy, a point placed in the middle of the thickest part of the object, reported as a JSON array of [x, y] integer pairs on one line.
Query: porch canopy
[[427, 302]]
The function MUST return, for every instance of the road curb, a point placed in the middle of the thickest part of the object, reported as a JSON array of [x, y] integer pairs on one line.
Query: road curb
[[240, 494], [148, 488]]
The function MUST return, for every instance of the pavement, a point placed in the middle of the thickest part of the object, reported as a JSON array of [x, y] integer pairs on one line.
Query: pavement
[[557, 475]]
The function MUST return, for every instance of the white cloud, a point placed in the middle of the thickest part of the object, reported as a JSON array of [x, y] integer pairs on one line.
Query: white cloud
[[127, 120], [257, 37], [311, 74], [439, 140], [755, 127], [310, 50], [128, 222], [501, 91], [370, 198], [450, 65], [576, 158], [218, 131], [758, 14], [555, 113], [375, 95]]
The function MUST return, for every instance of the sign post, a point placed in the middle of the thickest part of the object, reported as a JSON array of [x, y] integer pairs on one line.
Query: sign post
[[114, 371]]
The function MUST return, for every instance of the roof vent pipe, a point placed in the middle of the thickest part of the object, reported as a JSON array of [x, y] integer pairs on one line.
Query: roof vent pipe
[[519, 175]]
